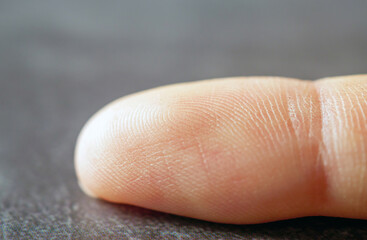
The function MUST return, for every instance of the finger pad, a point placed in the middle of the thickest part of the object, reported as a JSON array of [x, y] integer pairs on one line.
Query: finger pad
[[237, 150]]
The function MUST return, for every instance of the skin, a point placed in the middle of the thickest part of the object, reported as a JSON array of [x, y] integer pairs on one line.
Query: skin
[[237, 150]]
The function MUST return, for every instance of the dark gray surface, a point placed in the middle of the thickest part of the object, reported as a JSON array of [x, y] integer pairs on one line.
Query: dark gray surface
[[60, 61]]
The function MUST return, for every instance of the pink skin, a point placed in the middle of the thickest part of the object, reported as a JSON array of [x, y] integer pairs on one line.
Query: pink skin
[[239, 150]]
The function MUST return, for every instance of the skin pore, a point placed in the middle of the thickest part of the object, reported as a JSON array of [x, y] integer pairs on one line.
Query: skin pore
[[237, 150]]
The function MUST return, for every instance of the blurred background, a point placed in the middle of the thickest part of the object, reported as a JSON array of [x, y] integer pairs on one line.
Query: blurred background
[[60, 61]]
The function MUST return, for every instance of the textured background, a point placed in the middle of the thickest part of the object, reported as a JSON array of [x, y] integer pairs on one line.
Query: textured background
[[60, 61]]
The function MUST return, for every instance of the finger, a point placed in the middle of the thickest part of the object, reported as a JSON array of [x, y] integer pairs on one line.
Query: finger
[[240, 150], [343, 105]]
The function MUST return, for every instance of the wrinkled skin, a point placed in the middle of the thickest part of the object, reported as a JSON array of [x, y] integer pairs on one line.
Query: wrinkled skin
[[236, 150]]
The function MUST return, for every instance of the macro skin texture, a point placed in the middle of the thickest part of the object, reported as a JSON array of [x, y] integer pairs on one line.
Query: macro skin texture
[[344, 108], [236, 150]]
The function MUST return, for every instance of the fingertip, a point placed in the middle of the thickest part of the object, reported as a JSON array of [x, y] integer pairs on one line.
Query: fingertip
[[233, 150], [91, 147]]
